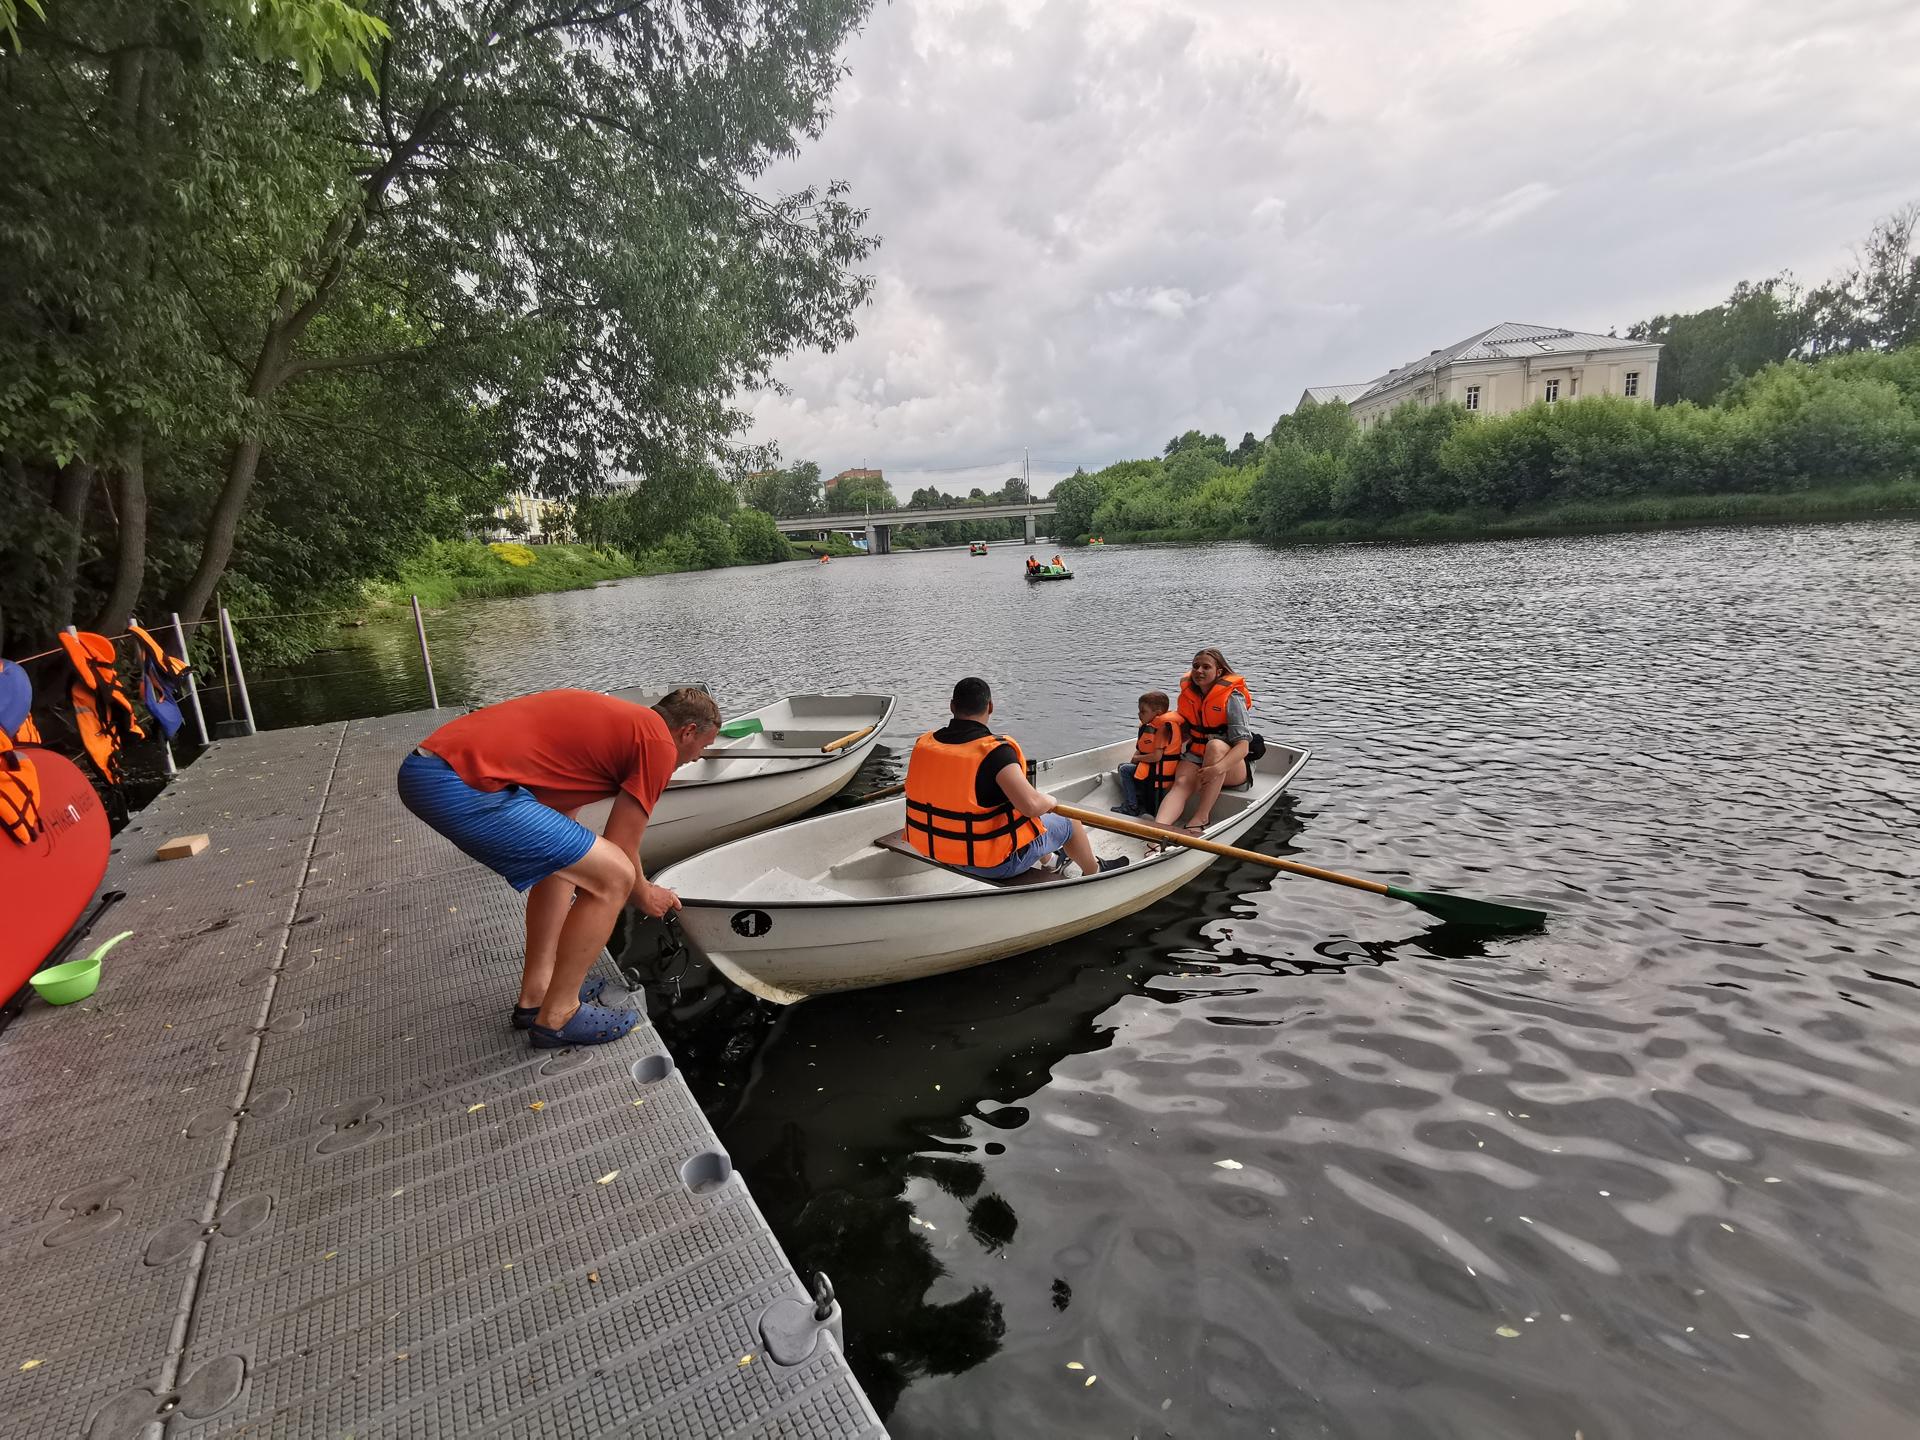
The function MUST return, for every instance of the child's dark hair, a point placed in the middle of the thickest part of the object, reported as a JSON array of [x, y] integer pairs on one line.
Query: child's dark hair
[[1157, 701]]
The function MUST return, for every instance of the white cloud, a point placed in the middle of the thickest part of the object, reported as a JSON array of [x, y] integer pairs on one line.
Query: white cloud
[[1107, 222]]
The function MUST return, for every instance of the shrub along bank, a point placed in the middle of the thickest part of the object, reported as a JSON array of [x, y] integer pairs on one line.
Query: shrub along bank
[[1831, 437]]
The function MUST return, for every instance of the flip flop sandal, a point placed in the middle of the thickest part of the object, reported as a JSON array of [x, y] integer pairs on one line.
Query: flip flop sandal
[[524, 1015], [590, 1025]]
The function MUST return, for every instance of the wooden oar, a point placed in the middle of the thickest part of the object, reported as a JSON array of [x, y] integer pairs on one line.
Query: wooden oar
[[879, 794], [846, 740], [1457, 908]]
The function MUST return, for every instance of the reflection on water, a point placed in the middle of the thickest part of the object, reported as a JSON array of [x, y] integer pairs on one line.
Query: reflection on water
[[1651, 1172]]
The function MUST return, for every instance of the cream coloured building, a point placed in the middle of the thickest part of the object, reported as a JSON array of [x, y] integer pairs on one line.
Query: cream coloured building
[[1510, 367]]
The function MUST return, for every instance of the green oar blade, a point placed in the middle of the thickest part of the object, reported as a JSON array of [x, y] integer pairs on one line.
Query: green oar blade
[[734, 729], [1461, 911]]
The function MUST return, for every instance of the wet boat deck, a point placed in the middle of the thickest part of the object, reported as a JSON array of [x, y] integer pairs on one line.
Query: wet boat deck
[[288, 1172]]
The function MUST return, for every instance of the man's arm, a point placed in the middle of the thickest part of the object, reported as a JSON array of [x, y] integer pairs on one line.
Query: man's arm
[[1022, 796], [625, 828]]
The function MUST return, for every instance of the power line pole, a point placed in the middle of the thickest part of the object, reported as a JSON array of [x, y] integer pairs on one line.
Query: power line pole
[[1026, 477]]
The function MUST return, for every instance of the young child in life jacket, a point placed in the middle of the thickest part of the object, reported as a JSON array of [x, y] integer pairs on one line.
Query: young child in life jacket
[[1149, 774]]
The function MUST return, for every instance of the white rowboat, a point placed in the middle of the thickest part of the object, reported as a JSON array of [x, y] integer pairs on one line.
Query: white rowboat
[[832, 903], [767, 777]]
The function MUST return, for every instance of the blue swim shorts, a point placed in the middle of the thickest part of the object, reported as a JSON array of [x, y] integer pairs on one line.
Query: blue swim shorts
[[508, 831], [1055, 831]]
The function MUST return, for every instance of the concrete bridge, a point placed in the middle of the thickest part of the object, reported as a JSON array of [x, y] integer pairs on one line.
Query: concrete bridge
[[879, 527]]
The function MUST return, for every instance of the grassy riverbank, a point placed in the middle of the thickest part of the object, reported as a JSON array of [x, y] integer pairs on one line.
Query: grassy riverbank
[[1839, 502], [450, 570]]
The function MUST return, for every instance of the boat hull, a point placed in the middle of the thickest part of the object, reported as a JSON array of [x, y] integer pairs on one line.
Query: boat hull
[[787, 950], [708, 803], [53, 878]]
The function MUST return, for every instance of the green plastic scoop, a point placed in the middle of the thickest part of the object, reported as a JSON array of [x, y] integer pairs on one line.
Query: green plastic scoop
[[734, 729]]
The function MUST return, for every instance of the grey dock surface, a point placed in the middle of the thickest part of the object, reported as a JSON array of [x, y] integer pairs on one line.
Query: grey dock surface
[[289, 1172]]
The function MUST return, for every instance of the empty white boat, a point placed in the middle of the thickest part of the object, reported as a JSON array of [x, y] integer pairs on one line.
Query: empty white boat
[[838, 902], [807, 749]]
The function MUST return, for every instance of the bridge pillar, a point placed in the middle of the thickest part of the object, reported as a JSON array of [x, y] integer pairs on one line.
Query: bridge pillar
[[1031, 536], [879, 539]]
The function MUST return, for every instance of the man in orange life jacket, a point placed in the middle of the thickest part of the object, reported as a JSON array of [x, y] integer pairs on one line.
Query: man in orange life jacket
[[969, 803]]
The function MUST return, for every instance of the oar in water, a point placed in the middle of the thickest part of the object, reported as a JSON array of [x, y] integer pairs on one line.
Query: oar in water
[[1457, 908]]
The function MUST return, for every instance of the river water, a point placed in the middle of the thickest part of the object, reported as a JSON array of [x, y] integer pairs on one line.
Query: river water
[[1648, 1173]]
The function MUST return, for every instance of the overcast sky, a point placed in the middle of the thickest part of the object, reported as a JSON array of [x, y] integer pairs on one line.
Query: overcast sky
[[1108, 221]]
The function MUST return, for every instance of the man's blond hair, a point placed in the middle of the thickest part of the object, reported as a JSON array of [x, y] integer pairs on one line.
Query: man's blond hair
[[688, 705]]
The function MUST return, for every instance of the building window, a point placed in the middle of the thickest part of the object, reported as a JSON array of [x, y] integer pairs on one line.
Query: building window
[[1573, 388], [1473, 397], [1553, 392], [1633, 382]]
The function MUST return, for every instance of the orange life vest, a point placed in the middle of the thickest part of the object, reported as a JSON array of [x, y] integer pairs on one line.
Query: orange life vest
[[1161, 739], [945, 819], [160, 672], [101, 710], [19, 794], [1206, 715]]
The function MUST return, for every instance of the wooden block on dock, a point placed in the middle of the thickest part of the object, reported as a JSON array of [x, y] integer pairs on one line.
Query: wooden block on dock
[[181, 847]]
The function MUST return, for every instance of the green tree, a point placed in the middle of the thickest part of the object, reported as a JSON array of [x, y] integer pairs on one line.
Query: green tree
[[863, 492], [1213, 447], [756, 539], [1246, 452], [1075, 499], [547, 211], [1328, 426], [1395, 465], [1875, 303], [1703, 353]]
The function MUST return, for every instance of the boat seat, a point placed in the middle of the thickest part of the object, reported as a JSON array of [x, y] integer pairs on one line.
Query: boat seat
[[896, 841]]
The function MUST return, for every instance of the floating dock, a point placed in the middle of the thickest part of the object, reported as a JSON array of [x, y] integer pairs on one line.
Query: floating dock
[[290, 1173]]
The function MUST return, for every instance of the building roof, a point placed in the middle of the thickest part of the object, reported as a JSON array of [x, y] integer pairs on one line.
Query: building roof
[[1509, 340], [1323, 394]]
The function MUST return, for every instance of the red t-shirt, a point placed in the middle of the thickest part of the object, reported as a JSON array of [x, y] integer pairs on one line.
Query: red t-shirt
[[569, 747]]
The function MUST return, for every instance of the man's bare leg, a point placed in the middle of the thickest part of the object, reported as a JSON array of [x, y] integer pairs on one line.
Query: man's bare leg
[[547, 906], [1079, 848], [604, 879]]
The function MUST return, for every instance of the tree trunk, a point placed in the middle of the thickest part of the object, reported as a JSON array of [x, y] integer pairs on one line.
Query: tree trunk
[[130, 566], [217, 548], [70, 489]]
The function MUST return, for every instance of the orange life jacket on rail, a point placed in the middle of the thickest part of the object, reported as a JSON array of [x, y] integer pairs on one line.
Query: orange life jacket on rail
[[1161, 740], [945, 820], [101, 710], [160, 672], [1206, 715], [19, 794]]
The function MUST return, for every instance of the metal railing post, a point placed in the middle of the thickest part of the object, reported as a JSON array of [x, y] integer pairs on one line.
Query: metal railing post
[[239, 674], [426, 660], [193, 690]]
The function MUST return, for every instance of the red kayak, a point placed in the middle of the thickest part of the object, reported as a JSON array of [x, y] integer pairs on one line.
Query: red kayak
[[45, 885]]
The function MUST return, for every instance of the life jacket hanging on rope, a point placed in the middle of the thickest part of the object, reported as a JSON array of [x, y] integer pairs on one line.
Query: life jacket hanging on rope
[[16, 705], [1206, 715], [19, 794], [160, 672], [946, 821], [101, 710], [1161, 740]]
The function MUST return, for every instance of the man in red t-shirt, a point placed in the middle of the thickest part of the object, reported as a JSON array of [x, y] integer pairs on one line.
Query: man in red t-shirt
[[503, 783]]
